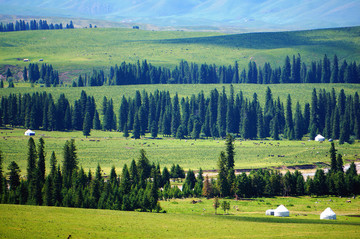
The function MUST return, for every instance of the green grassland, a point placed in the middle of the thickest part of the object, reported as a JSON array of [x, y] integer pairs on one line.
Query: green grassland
[[79, 50], [111, 148], [186, 220]]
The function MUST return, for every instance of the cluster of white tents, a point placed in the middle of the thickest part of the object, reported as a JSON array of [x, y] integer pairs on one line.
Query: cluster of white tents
[[282, 211]]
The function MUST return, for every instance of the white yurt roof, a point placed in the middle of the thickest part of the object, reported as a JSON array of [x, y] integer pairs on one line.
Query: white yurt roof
[[29, 132], [281, 211], [270, 212], [328, 214], [319, 137]]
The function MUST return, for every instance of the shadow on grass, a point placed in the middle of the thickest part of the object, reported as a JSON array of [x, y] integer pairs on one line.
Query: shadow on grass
[[269, 40], [288, 220]]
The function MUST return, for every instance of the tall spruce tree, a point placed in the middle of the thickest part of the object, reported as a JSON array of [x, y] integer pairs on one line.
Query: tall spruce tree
[[41, 160], [31, 161], [289, 128], [87, 125], [333, 157]]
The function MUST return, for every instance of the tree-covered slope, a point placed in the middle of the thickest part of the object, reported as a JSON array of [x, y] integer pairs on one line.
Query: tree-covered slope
[[84, 49]]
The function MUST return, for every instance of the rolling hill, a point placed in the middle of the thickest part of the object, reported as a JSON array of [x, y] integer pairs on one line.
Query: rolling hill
[[245, 14], [80, 50]]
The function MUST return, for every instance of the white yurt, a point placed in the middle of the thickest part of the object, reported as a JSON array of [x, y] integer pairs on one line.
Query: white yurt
[[319, 137], [29, 132], [328, 214], [281, 211], [270, 212]]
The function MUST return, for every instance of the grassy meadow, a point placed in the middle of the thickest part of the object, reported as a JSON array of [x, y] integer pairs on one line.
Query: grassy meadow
[[81, 50], [111, 148], [186, 220]]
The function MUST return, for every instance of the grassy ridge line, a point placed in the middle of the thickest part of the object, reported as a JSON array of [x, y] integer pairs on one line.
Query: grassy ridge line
[[184, 220], [85, 49]]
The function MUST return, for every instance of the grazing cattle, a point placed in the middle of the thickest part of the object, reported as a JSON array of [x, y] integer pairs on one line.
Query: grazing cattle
[[348, 201]]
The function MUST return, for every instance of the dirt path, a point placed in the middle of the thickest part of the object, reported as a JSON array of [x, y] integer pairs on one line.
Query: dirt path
[[306, 170]]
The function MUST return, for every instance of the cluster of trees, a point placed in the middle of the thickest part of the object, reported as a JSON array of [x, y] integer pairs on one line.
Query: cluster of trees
[[137, 188], [268, 183], [23, 25], [140, 186], [336, 117], [46, 74], [42, 111], [295, 71]]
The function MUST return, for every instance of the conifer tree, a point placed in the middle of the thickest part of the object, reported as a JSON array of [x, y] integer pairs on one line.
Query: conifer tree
[[31, 161], [289, 128], [136, 130], [333, 157], [41, 160], [222, 182], [87, 125], [14, 176]]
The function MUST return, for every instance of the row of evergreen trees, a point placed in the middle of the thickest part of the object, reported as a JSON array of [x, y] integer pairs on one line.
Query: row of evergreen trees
[[272, 183], [295, 71], [137, 188], [140, 186], [46, 74], [334, 116], [23, 25]]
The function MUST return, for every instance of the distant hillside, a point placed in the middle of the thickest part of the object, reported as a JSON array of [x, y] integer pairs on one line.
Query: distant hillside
[[246, 14], [74, 51]]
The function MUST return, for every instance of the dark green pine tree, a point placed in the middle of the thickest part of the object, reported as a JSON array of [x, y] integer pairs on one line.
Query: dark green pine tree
[[195, 134], [335, 70], [260, 124], [221, 114], [14, 176], [336, 124], [340, 163], [125, 183], [286, 71], [53, 163], [289, 127], [332, 152], [96, 123], [126, 131], [123, 113], [344, 129], [25, 74], [314, 115], [299, 123], [175, 119], [136, 130], [41, 160], [70, 162], [269, 111], [222, 182], [275, 127], [87, 125], [31, 161]]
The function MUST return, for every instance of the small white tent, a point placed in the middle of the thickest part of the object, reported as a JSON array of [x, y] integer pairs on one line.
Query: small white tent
[[29, 132], [281, 211], [328, 214], [319, 137], [269, 212]]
